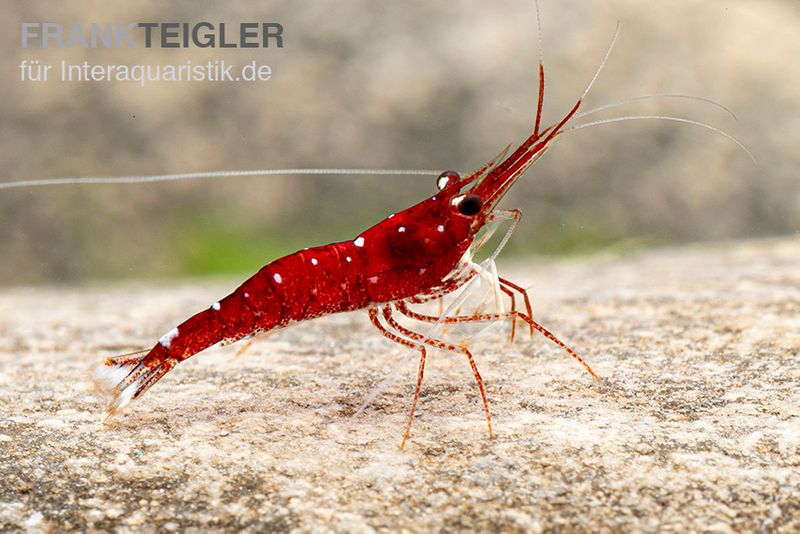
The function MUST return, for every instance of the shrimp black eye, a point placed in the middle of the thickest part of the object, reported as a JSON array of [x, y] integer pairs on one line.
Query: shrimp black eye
[[470, 205], [447, 178]]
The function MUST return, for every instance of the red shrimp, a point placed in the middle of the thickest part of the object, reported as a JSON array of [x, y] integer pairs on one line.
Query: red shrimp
[[421, 253]]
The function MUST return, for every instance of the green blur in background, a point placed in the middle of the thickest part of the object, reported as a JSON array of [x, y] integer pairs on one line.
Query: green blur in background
[[397, 85]]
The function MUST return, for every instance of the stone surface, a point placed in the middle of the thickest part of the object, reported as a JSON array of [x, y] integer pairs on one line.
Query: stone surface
[[695, 427]]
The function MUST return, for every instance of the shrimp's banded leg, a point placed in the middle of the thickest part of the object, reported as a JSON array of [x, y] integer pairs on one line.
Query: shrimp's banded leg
[[405, 310], [513, 309], [499, 284], [374, 317], [437, 343], [508, 287]]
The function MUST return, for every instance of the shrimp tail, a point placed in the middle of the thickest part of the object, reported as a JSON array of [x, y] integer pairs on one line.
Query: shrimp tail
[[125, 378]]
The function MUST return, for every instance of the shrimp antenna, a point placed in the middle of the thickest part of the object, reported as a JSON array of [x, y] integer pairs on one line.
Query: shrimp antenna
[[665, 118], [210, 174], [649, 97], [540, 103], [648, 117], [602, 63]]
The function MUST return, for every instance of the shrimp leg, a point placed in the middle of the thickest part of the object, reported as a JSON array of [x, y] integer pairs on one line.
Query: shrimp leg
[[508, 287], [374, 317], [514, 315], [437, 343]]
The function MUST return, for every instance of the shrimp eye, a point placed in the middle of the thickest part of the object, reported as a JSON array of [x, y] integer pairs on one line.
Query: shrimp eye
[[447, 178], [470, 205]]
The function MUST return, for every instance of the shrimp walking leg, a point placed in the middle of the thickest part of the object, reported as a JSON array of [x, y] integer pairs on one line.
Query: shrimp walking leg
[[513, 309], [375, 318], [439, 344], [488, 317], [509, 287]]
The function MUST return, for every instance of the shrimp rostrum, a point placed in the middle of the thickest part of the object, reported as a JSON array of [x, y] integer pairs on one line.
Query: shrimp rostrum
[[416, 255]]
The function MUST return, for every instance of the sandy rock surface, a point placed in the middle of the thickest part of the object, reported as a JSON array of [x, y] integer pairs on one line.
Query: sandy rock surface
[[695, 427]]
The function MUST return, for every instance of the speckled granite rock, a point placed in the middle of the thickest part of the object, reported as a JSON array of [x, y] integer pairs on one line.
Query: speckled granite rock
[[696, 427]]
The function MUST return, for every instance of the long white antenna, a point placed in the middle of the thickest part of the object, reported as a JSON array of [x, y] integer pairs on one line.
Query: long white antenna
[[211, 174], [665, 118], [540, 97], [539, 32], [653, 97], [602, 63]]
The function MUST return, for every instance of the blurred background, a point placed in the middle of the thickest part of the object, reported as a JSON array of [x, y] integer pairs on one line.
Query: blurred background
[[429, 85]]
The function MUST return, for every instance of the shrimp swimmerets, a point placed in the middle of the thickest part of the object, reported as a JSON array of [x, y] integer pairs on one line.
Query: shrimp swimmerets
[[420, 254]]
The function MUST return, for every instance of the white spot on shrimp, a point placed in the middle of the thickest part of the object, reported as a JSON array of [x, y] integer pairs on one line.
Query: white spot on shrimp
[[359, 242], [422, 271], [390, 216], [433, 197], [277, 278], [440, 228], [167, 338], [215, 306], [401, 229], [246, 295], [373, 279], [349, 259], [314, 261]]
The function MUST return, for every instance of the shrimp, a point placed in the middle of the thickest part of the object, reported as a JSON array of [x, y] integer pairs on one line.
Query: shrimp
[[419, 254]]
